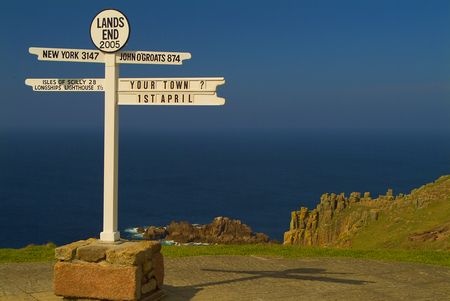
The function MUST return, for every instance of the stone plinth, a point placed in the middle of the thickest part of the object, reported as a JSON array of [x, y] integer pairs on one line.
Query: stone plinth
[[90, 269]]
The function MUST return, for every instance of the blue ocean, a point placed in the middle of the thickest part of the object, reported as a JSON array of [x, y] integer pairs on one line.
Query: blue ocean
[[51, 181]]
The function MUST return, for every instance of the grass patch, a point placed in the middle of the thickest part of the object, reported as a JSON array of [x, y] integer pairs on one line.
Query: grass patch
[[31, 253], [46, 252], [394, 227], [417, 256]]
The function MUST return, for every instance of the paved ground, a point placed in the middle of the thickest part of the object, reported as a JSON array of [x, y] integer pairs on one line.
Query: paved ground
[[256, 278]]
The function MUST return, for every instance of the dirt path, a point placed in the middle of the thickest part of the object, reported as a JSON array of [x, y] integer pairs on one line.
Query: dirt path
[[259, 278]]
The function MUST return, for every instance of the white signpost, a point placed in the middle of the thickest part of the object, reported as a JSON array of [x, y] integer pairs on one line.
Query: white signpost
[[110, 32]]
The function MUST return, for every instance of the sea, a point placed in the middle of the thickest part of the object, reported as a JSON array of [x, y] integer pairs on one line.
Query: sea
[[51, 181]]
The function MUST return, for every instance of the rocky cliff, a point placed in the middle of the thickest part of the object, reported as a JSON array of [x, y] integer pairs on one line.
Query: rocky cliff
[[358, 220]]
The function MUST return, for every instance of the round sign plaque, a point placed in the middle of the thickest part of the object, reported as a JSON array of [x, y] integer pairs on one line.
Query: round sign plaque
[[110, 30]]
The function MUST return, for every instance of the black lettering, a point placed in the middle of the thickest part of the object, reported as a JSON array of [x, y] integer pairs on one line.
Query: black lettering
[[50, 54], [109, 22], [110, 34]]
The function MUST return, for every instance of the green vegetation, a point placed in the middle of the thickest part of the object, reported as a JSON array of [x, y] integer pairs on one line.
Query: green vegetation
[[44, 253], [30, 253], [430, 224], [417, 256]]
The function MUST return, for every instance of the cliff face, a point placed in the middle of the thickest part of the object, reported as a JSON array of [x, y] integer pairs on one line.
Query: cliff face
[[386, 221]]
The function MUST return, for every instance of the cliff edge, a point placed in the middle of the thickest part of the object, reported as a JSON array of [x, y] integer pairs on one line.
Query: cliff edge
[[419, 220]]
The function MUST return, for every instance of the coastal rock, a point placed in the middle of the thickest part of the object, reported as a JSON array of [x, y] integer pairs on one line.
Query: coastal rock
[[437, 233], [153, 233], [221, 230]]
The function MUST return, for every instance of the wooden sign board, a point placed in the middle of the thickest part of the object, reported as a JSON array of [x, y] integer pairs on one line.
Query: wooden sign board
[[187, 84], [122, 57], [170, 99], [66, 85], [152, 57], [68, 55]]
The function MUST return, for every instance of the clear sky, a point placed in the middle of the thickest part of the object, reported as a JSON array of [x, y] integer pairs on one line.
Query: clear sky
[[381, 64]]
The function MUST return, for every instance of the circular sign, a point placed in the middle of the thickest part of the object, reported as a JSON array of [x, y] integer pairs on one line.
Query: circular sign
[[110, 30]]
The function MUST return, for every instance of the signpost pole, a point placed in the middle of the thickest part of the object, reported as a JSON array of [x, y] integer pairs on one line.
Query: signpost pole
[[110, 178]]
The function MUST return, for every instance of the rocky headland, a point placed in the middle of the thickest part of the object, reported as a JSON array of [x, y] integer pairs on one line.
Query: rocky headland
[[222, 230], [420, 219]]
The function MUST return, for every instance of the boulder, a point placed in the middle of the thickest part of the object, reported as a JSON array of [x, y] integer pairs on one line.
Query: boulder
[[154, 233]]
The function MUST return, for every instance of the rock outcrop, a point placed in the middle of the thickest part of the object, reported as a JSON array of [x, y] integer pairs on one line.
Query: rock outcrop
[[338, 219], [222, 230]]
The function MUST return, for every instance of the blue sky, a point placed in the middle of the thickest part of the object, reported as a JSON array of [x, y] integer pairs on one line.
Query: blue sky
[[288, 64]]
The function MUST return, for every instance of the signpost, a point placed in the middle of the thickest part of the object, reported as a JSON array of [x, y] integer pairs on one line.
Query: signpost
[[110, 31]]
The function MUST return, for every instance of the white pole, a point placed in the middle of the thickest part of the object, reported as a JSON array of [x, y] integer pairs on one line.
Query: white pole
[[110, 233]]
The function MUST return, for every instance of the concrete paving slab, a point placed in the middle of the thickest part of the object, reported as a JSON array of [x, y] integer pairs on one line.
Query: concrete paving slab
[[259, 278]]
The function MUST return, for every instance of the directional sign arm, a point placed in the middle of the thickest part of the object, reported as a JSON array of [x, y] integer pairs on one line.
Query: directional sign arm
[[152, 57], [170, 99], [68, 55], [174, 84], [66, 84]]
